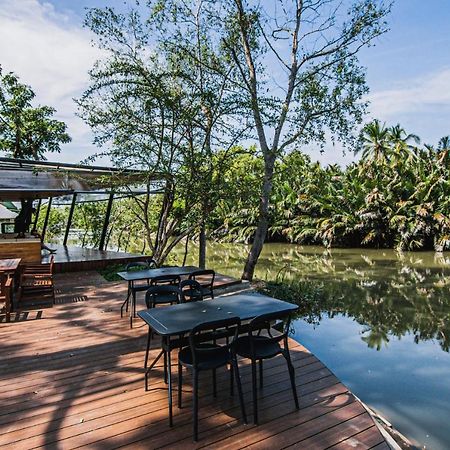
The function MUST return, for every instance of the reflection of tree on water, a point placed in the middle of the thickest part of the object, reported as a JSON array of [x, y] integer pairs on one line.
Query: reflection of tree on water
[[391, 299], [391, 294]]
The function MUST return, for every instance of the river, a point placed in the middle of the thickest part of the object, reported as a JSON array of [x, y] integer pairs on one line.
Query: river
[[382, 325]]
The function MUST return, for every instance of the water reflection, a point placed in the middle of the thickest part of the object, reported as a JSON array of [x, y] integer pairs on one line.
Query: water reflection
[[391, 294]]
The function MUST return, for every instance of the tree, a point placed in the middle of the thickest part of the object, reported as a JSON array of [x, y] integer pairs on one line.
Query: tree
[[299, 70], [25, 131], [185, 34], [159, 109]]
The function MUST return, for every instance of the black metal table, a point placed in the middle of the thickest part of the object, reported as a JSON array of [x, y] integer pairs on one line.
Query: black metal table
[[148, 275], [177, 320]]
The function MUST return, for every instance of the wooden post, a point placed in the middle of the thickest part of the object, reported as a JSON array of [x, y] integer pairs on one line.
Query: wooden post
[[69, 220], [106, 222], [47, 215], [36, 214]]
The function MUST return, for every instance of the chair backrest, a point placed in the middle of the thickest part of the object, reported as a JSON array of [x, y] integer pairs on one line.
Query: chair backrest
[[231, 325], [3, 279], [6, 286], [151, 263], [137, 264], [264, 321], [51, 264], [204, 277], [161, 294], [191, 290], [172, 280]]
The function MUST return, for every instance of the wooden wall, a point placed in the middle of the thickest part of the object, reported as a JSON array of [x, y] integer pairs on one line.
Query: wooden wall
[[29, 250]]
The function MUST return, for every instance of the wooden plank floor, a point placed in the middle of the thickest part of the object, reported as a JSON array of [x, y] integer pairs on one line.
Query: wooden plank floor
[[71, 376]]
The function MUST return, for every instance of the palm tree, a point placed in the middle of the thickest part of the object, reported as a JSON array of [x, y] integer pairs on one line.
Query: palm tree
[[375, 141], [401, 140], [444, 143]]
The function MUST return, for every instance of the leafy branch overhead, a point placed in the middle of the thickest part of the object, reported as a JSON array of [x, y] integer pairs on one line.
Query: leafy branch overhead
[[26, 131]]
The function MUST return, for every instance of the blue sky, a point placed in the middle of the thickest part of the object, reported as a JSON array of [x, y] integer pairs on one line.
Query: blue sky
[[408, 70]]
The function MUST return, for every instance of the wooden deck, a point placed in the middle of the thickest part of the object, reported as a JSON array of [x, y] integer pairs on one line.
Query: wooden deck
[[71, 376], [69, 258]]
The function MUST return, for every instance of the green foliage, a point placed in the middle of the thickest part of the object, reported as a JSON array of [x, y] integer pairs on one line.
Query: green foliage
[[56, 222], [25, 131], [397, 195]]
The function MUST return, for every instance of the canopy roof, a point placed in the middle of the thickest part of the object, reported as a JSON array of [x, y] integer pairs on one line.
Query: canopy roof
[[22, 179]]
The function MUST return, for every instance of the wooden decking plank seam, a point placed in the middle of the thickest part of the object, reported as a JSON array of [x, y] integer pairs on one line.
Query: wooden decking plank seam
[[290, 430], [359, 439]]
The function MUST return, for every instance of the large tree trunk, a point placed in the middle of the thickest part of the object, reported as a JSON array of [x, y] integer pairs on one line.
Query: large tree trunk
[[263, 223], [202, 246]]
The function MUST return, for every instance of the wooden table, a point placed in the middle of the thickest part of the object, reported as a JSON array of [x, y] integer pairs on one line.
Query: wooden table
[[9, 265]]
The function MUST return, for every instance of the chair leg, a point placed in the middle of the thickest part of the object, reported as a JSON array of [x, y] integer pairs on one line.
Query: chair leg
[[125, 303], [149, 340], [235, 367], [133, 307], [169, 382], [292, 377], [195, 405], [255, 400], [214, 383], [231, 379], [180, 384], [261, 381], [165, 367]]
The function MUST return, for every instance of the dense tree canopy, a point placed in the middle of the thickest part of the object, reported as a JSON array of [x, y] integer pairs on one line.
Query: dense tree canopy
[[396, 195], [26, 131]]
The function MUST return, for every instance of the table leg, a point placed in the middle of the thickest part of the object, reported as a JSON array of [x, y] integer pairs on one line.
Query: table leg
[[133, 307], [151, 367], [169, 379], [13, 291]]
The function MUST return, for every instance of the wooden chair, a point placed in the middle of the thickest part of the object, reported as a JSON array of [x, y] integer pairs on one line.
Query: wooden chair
[[36, 283], [5, 295], [42, 268]]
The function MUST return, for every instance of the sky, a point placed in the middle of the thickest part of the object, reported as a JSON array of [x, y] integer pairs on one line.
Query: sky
[[408, 70]]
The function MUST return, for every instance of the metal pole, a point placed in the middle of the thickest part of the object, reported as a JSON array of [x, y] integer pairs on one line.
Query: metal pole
[[69, 220], [36, 214], [106, 222], [47, 215]]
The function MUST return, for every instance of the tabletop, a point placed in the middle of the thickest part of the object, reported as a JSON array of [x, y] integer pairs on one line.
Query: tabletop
[[182, 318], [152, 273], [9, 265]]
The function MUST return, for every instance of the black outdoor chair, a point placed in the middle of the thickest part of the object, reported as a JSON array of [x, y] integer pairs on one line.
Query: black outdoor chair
[[257, 347], [206, 279], [200, 356], [166, 280], [191, 291], [135, 286], [160, 295]]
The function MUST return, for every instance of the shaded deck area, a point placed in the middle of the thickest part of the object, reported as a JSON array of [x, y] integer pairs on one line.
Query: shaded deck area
[[71, 376]]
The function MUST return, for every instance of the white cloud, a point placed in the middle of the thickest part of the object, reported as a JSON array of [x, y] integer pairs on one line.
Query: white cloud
[[52, 55], [413, 96]]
